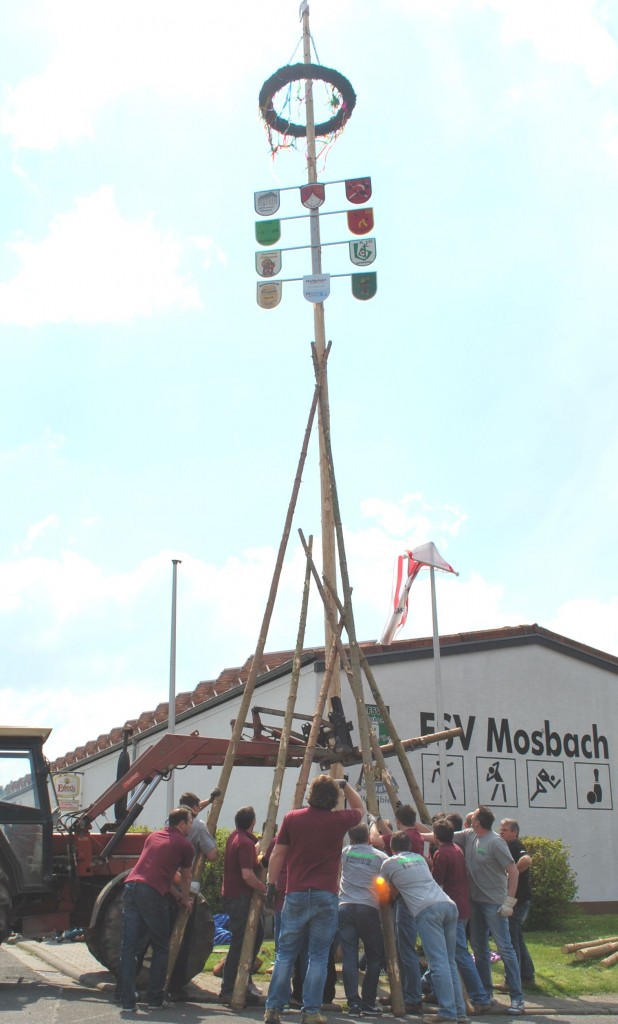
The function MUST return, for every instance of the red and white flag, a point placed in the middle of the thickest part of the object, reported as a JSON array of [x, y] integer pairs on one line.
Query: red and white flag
[[407, 568]]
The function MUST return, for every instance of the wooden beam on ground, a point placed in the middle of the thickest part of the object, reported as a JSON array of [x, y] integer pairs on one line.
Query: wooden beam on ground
[[572, 947], [596, 952]]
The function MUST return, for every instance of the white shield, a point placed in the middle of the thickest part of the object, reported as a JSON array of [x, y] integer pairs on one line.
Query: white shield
[[268, 264], [266, 203], [362, 253], [316, 287]]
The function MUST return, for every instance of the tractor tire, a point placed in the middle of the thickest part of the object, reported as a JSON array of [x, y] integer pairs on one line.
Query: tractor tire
[[5, 908], [105, 934]]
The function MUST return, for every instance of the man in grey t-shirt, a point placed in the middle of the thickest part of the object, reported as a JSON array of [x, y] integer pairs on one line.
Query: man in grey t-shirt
[[435, 915], [493, 878], [359, 919]]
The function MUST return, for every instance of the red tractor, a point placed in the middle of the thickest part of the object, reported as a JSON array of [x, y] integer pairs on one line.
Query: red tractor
[[58, 873]]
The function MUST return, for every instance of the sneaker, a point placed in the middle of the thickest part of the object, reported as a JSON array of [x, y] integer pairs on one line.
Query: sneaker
[[272, 1017], [516, 1008], [159, 1004], [462, 1019], [355, 1009], [313, 1018], [371, 1010], [129, 1009], [253, 999]]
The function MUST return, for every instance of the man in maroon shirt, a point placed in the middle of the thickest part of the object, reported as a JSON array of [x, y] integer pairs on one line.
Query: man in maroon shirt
[[145, 911], [239, 880], [310, 840]]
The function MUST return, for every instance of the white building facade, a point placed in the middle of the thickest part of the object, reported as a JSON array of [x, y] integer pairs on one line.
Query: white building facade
[[539, 715]]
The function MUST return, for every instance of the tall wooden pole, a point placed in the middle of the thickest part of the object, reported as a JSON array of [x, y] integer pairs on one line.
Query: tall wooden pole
[[171, 707], [329, 557]]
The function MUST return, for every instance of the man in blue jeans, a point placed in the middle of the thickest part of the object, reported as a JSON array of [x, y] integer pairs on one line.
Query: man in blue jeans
[[145, 911], [309, 841], [493, 878], [435, 915], [509, 830]]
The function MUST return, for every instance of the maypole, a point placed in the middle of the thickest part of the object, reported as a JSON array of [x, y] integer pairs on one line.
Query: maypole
[[329, 557], [316, 286]]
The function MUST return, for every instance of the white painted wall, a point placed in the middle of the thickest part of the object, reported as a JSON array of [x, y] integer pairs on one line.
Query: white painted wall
[[508, 692]]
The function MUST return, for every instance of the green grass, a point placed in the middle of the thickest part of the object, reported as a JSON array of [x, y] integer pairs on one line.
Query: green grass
[[557, 974], [562, 975]]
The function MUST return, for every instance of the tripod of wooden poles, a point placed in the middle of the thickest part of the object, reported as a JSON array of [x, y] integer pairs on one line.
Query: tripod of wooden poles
[[339, 616]]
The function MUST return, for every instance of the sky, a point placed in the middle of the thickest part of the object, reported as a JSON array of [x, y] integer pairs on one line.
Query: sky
[[151, 410]]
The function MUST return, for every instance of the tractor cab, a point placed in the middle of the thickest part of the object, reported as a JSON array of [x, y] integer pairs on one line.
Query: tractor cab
[[27, 804]]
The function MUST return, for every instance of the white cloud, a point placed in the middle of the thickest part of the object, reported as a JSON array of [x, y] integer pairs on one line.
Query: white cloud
[[99, 53], [210, 249], [38, 529], [98, 641], [589, 622], [94, 266], [563, 31]]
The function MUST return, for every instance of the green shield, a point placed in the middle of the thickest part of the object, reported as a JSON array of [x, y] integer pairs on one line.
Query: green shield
[[364, 286], [267, 232]]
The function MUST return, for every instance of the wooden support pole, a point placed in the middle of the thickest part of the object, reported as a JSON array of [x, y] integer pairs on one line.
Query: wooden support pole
[[398, 1008], [388, 927], [355, 680], [406, 767], [182, 918], [228, 763], [247, 952], [312, 739]]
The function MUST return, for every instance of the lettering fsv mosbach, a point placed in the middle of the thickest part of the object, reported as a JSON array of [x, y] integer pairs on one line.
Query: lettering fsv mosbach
[[501, 738]]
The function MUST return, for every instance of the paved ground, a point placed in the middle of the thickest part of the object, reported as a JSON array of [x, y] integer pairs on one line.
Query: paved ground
[[74, 961]]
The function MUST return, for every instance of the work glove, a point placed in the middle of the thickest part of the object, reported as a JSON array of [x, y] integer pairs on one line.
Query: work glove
[[215, 793], [270, 898], [506, 910]]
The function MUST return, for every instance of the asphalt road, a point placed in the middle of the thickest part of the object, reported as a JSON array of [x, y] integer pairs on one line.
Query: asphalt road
[[37, 992], [45, 996]]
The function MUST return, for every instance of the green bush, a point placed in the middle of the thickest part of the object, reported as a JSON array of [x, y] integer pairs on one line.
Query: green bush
[[554, 883], [212, 876]]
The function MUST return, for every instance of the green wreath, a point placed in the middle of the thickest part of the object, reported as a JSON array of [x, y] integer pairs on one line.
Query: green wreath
[[294, 73]]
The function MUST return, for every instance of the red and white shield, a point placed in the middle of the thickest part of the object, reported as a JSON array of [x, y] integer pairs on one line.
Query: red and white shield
[[312, 195]]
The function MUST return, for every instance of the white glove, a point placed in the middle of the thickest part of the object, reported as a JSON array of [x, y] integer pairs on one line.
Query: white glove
[[506, 910]]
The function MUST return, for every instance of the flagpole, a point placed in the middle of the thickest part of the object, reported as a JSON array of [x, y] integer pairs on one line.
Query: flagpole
[[171, 708], [329, 558], [438, 686]]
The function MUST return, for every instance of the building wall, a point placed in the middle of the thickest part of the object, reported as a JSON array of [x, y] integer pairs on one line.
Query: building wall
[[539, 740], [539, 745]]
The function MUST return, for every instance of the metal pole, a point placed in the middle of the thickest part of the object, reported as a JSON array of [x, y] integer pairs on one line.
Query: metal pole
[[171, 711], [329, 557], [439, 703]]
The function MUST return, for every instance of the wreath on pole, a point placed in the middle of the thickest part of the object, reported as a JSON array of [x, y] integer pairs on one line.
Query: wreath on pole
[[294, 73]]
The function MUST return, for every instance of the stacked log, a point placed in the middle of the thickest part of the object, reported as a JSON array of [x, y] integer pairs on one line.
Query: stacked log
[[605, 950]]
